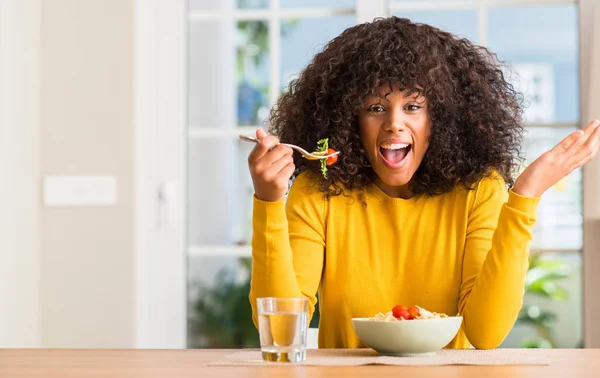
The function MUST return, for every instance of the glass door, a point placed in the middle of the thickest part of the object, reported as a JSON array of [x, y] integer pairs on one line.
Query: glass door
[[241, 56]]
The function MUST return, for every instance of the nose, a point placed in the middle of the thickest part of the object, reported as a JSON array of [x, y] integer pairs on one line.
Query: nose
[[396, 120]]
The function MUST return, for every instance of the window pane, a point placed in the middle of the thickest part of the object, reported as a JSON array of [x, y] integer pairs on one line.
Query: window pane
[[461, 22], [196, 5], [559, 221], [219, 314], [252, 76], [561, 319], [252, 4], [228, 73], [302, 39], [220, 192], [395, 4], [342, 4], [542, 44]]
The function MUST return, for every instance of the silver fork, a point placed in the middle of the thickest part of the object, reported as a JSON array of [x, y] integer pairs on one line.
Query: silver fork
[[305, 154]]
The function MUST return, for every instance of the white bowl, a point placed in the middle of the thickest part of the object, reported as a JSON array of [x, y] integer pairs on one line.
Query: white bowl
[[409, 337]]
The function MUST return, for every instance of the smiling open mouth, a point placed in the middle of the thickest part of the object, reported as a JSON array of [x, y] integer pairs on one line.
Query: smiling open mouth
[[395, 153]]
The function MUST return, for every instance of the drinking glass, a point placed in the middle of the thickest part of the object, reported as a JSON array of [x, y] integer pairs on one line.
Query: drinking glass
[[282, 326]]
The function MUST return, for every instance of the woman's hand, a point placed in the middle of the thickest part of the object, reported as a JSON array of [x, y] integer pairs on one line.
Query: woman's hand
[[271, 166], [571, 153]]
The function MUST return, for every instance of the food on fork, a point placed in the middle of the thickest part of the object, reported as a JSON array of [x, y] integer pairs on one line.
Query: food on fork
[[324, 149], [400, 313]]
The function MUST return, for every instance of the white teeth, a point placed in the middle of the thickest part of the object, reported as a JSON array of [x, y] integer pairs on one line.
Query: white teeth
[[395, 146]]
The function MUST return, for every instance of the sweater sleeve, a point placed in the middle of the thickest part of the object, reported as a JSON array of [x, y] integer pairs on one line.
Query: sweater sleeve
[[495, 262], [288, 244]]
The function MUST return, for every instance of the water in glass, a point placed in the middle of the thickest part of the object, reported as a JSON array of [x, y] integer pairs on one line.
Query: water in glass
[[283, 324]]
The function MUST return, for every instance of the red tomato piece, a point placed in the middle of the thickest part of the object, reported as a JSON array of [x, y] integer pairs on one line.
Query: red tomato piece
[[400, 311], [332, 159], [413, 311]]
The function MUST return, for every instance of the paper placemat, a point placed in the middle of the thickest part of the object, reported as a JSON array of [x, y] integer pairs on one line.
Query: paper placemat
[[356, 357]]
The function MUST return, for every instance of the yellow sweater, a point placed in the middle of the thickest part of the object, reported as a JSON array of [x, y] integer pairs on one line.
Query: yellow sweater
[[463, 252]]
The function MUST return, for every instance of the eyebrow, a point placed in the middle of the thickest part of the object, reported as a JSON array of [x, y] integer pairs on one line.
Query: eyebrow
[[415, 93], [416, 90]]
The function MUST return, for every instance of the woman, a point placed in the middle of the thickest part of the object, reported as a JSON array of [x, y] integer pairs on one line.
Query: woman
[[416, 210]]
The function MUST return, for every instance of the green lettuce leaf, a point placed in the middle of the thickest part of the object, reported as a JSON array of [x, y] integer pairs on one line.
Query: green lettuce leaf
[[323, 146]]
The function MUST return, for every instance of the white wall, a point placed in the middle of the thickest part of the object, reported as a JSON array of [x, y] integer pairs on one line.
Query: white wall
[[68, 274], [87, 261], [590, 89], [19, 174]]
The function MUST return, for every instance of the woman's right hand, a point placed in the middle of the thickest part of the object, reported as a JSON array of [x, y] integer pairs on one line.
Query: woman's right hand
[[271, 166]]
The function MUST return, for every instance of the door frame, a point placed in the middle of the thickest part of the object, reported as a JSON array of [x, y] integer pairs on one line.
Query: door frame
[[589, 43], [160, 161]]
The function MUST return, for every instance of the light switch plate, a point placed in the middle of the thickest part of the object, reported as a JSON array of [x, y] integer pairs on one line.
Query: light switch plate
[[80, 190]]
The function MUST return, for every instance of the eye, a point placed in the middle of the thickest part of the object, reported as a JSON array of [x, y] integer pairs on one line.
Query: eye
[[376, 108], [413, 107]]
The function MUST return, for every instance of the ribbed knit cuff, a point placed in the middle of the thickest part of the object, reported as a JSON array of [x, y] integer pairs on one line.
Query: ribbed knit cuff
[[526, 205]]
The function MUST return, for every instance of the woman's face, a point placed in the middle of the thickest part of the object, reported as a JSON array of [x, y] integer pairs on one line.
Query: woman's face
[[394, 130]]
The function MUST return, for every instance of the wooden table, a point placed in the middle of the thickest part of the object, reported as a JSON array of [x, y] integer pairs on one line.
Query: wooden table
[[135, 363]]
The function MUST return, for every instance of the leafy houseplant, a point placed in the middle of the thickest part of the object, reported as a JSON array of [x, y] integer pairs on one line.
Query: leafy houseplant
[[222, 316], [541, 282]]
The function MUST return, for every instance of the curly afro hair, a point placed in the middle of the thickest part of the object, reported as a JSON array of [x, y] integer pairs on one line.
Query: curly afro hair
[[475, 112]]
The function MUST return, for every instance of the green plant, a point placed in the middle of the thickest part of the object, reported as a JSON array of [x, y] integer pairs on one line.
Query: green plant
[[541, 281], [252, 55], [222, 316]]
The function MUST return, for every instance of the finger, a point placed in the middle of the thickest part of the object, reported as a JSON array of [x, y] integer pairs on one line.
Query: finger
[[263, 164], [572, 138], [569, 140], [275, 154], [261, 133], [283, 162], [265, 144], [269, 142], [589, 129], [287, 171], [282, 180], [266, 139], [576, 146], [588, 150], [273, 174]]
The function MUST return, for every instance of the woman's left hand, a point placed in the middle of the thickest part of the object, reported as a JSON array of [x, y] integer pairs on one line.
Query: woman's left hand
[[571, 153]]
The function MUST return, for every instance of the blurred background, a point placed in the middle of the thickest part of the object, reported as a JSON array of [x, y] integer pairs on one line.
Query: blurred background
[[125, 214]]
